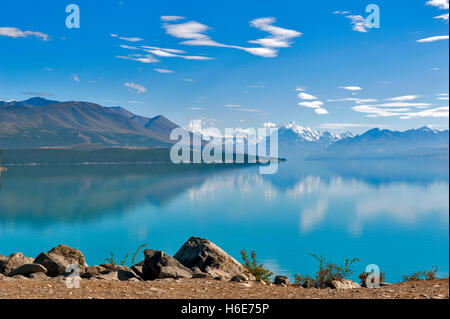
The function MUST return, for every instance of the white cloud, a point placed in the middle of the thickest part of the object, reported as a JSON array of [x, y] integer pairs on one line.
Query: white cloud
[[17, 33], [401, 110], [312, 104], [341, 12], [441, 4], [306, 96], [321, 111], [194, 32], [164, 71], [351, 88], [135, 88], [402, 104], [143, 58], [404, 98], [442, 16], [433, 39], [358, 23], [269, 124], [280, 37], [232, 105], [196, 108], [75, 77], [443, 98], [435, 112], [129, 39], [171, 18], [160, 52], [188, 80]]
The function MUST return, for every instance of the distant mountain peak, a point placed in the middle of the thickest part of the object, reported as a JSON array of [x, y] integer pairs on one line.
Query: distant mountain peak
[[38, 101]]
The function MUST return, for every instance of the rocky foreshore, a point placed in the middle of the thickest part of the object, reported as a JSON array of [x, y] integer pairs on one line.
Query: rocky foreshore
[[200, 269]]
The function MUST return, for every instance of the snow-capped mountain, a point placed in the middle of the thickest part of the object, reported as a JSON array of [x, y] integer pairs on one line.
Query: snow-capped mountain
[[298, 141]]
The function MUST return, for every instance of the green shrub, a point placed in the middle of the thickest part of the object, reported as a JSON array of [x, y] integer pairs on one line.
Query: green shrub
[[363, 276], [423, 275], [254, 268], [123, 262], [327, 271]]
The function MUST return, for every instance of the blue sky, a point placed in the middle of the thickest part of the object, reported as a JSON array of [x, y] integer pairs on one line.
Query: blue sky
[[236, 63]]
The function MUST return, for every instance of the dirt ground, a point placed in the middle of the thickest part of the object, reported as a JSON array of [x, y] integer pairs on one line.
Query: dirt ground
[[207, 288]]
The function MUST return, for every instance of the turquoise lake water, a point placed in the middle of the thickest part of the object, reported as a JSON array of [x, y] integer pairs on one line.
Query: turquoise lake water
[[391, 213]]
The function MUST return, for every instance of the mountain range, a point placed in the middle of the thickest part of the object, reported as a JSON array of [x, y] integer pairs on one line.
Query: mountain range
[[42, 123], [38, 122]]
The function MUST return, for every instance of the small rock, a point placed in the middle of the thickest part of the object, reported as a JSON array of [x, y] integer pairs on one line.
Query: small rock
[[19, 277], [308, 284], [158, 265], [28, 269], [281, 280], [342, 284], [436, 286], [93, 271], [13, 261], [239, 278], [262, 282], [202, 275]]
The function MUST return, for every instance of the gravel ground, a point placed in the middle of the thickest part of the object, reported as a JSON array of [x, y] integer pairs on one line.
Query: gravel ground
[[24, 288]]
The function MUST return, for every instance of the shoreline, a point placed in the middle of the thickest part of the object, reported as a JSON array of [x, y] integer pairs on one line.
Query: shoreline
[[199, 270]]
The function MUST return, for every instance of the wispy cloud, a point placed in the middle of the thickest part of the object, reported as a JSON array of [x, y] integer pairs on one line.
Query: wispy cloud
[[280, 37], [341, 12], [311, 104], [171, 18], [351, 88], [306, 96], [164, 71], [195, 35], [442, 17], [143, 58], [433, 39], [358, 23], [135, 88], [151, 51], [129, 39], [75, 78], [404, 98], [17, 33], [441, 4]]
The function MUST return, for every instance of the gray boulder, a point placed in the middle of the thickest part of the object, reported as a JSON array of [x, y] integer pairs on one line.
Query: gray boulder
[[58, 258], [342, 284], [281, 280], [28, 269], [137, 268], [158, 265], [93, 271], [209, 258], [117, 274], [13, 261]]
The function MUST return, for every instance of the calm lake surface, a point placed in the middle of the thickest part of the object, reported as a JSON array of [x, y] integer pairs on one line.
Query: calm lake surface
[[393, 214]]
